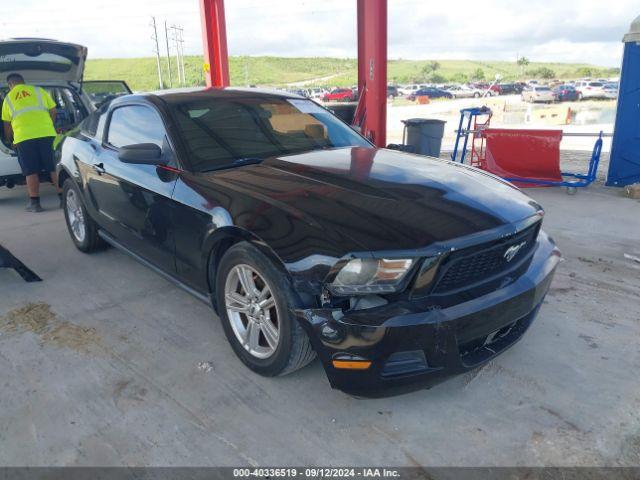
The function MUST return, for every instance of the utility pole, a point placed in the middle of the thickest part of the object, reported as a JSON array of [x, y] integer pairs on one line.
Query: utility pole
[[174, 37], [184, 77], [177, 38], [156, 50], [181, 41], [166, 36]]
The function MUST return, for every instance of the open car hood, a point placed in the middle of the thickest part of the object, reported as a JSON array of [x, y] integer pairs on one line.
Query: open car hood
[[41, 60]]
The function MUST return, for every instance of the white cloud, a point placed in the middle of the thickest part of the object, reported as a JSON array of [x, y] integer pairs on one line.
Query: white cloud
[[545, 30]]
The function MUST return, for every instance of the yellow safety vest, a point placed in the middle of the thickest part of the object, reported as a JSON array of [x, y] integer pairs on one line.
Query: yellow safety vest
[[27, 108]]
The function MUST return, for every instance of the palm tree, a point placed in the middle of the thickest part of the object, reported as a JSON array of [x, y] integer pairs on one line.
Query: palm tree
[[523, 62], [429, 69]]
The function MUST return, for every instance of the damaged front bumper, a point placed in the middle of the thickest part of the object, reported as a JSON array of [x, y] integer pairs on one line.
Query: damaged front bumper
[[411, 347]]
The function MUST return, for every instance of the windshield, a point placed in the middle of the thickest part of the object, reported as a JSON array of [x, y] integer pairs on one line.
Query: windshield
[[223, 132], [103, 91], [43, 61]]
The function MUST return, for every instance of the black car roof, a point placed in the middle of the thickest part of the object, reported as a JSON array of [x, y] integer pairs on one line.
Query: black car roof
[[182, 95]]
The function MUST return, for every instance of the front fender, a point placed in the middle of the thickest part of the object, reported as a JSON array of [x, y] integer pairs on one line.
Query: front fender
[[221, 239]]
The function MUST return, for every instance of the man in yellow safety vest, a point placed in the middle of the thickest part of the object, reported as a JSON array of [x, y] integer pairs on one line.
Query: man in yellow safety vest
[[28, 113]]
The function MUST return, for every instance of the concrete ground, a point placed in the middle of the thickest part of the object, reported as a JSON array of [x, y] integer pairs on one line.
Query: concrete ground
[[101, 364]]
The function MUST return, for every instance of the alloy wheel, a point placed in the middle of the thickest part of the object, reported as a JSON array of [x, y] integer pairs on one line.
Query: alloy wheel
[[252, 311], [75, 216]]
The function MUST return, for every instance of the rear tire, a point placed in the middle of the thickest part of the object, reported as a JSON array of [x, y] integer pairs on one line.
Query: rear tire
[[281, 346], [82, 229]]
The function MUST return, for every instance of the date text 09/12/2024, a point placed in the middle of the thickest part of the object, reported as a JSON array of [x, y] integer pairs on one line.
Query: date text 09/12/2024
[[316, 472]]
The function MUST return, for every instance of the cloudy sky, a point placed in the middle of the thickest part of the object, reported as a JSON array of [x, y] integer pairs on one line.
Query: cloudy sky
[[543, 30]]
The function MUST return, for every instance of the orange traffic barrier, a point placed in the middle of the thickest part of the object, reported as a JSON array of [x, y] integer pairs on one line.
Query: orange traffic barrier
[[558, 115], [423, 99]]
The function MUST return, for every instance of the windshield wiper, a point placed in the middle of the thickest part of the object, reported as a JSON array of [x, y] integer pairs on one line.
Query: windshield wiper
[[247, 161], [238, 162]]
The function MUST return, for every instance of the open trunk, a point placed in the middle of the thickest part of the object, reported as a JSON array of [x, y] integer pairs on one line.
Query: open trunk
[[41, 60]]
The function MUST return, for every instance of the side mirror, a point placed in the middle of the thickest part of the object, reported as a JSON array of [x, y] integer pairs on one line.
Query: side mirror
[[141, 153]]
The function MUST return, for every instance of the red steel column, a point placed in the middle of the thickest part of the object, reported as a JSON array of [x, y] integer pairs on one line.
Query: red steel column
[[361, 52], [372, 69], [214, 39]]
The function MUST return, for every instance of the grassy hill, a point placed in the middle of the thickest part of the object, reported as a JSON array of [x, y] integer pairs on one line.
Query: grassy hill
[[141, 73]]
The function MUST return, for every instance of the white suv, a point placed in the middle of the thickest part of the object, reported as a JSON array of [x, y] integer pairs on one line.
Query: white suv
[[590, 89], [58, 68], [409, 89]]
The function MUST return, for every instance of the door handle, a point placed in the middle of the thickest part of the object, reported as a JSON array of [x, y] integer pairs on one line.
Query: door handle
[[99, 168]]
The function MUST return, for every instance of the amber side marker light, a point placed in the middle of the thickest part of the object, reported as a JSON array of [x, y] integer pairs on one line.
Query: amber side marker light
[[351, 365]]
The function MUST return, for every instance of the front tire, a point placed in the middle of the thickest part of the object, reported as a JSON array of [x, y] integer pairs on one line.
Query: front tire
[[254, 300], [82, 229]]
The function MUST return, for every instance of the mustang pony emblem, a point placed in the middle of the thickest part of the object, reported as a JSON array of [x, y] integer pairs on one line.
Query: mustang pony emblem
[[512, 251]]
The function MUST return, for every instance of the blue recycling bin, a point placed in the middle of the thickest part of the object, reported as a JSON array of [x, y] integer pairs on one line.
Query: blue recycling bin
[[624, 164]]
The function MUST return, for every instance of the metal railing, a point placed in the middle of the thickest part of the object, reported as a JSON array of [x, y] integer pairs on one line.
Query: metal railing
[[564, 134]]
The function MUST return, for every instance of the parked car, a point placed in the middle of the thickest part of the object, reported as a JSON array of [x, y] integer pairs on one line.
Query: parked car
[[397, 270], [590, 89], [610, 90], [510, 89], [495, 89], [409, 89], [565, 93], [392, 91], [486, 89], [58, 68], [537, 93], [431, 92], [464, 91], [317, 93], [340, 95]]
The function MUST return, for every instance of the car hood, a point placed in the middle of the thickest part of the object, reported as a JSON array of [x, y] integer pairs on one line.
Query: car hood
[[381, 199], [42, 60]]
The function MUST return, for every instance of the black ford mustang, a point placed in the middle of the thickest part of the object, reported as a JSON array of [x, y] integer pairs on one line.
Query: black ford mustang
[[398, 271]]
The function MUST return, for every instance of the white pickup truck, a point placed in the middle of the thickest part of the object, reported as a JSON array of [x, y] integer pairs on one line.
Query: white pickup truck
[[57, 67]]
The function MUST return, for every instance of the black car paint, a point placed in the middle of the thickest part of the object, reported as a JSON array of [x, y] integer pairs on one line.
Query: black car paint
[[431, 93], [307, 212], [441, 333]]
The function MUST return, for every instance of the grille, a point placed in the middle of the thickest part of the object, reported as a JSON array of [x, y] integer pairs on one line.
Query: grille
[[469, 266]]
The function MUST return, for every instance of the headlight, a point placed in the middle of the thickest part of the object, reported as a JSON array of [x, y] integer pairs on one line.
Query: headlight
[[370, 275]]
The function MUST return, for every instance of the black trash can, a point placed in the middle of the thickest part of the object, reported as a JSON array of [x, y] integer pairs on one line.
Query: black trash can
[[425, 135], [345, 111]]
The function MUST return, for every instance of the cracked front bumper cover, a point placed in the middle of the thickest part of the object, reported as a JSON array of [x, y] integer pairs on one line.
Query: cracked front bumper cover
[[451, 340]]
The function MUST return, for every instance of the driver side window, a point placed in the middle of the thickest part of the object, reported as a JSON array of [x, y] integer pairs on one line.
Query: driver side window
[[134, 124]]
